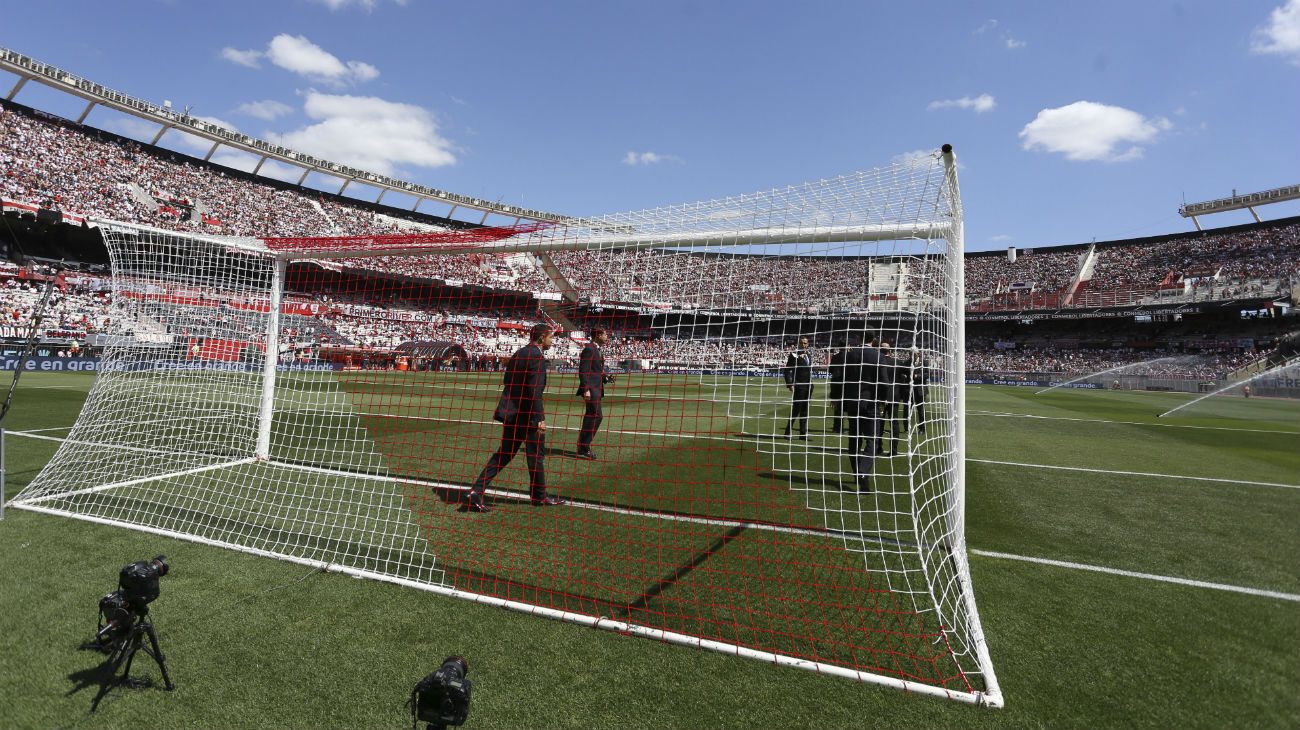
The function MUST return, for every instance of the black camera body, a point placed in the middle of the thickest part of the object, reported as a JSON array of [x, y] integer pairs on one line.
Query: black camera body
[[442, 698], [138, 582], [137, 587], [115, 617]]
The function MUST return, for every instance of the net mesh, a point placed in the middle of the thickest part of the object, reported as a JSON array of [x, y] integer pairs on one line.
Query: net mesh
[[769, 458]]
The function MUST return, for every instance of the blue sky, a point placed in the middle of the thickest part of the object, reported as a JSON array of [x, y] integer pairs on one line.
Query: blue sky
[[1072, 121]]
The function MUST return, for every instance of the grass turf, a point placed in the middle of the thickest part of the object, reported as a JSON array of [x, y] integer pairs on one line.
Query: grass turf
[[254, 642]]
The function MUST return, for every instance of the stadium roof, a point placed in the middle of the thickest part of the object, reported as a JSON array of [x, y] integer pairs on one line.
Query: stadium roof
[[29, 69], [1237, 202]]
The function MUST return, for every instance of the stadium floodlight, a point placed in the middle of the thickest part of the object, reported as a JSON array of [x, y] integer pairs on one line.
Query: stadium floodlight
[[329, 401]]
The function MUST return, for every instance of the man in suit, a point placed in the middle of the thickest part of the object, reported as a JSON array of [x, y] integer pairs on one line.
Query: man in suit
[[798, 380], [591, 388], [862, 407], [836, 396], [900, 398], [523, 421], [885, 391], [920, 380]]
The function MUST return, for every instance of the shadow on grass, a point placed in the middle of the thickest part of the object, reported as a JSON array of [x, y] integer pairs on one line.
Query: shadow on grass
[[811, 481]]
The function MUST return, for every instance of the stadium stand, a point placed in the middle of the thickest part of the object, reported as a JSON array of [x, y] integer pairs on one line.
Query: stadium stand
[[54, 164], [51, 164]]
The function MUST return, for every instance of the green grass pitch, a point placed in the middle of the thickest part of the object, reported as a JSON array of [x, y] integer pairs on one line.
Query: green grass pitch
[[254, 642]]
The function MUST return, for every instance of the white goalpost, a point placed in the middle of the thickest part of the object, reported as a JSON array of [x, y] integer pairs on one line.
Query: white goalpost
[[781, 457]]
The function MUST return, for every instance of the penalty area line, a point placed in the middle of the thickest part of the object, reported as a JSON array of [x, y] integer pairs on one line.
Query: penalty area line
[[1135, 473], [1135, 574], [996, 414]]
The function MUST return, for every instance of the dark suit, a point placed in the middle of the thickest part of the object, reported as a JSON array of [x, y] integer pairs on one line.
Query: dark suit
[[519, 410], [591, 379], [862, 407], [900, 401], [798, 375], [837, 389], [917, 396]]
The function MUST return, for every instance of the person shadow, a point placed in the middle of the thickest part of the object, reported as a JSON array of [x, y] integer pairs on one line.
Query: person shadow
[[811, 481]]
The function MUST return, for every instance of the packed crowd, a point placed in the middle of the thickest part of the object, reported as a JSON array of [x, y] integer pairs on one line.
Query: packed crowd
[[511, 272], [1262, 257], [1204, 267], [76, 311], [1080, 362], [58, 164], [65, 166], [70, 315], [1041, 270], [711, 282]]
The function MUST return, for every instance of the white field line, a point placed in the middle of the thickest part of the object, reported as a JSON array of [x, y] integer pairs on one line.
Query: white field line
[[831, 533], [29, 434], [1135, 473], [494, 390], [1145, 576], [823, 448], [122, 447], [722, 522], [141, 480], [549, 426], [34, 435], [593, 506], [1096, 391], [996, 414]]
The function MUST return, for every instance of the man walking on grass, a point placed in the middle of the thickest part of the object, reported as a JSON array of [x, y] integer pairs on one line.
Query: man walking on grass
[[523, 422]]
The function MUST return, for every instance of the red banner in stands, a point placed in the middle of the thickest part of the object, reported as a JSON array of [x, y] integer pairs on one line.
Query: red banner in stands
[[223, 350]]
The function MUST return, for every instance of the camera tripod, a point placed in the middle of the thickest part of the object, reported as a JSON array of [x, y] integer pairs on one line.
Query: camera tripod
[[123, 651]]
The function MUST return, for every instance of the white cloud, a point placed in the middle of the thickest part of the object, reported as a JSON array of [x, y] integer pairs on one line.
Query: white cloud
[[1086, 130], [1000, 238], [267, 109], [981, 103], [1281, 36], [249, 58], [370, 133], [297, 54], [991, 26], [649, 158]]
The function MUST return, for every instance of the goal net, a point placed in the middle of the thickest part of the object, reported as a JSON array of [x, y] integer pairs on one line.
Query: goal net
[[773, 466]]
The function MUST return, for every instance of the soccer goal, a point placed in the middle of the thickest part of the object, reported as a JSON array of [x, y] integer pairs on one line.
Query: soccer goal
[[329, 401]]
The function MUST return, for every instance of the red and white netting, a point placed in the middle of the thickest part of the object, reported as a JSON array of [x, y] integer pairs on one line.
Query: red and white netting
[[330, 401]]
